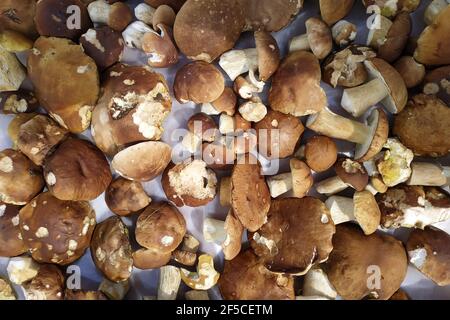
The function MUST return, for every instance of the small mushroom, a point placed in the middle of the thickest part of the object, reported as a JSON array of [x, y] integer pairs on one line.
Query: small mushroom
[[12, 73], [344, 33], [318, 39], [395, 165], [185, 258], [126, 197], [299, 180], [114, 290], [21, 269], [11, 242], [428, 251], [16, 102], [369, 138], [203, 126], [117, 15], [246, 88], [169, 283], [386, 85], [48, 284], [15, 124], [164, 15], [253, 110], [332, 11], [143, 12], [190, 243], [233, 125], [320, 153], [433, 9], [429, 174], [411, 71], [159, 47], [206, 276], [316, 284], [226, 103]]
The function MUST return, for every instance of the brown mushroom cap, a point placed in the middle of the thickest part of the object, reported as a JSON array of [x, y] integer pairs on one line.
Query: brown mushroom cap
[[268, 54], [20, 179], [48, 284], [111, 249], [233, 242], [19, 16], [320, 153], [219, 155], [203, 126], [296, 86], [77, 170], [160, 227], [163, 15], [56, 231], [125, 197], [302, 179], [378, 124], [150, 259], [11, 243], [352, 173], [332, 11], [17, 102], [52, 19], [366, 211], [286, 246], [423, 126], [15, 124], [250, 195], [285, 131], [246, 278], [120, 16], [226, 102], [437, 82], [429, 251], [159, 47], [319, 37], [143, 161], [433, 46], [174, 4], [411, 71], [356, 258], [204, 29], [62, 65], [199, 82], [396, 38]]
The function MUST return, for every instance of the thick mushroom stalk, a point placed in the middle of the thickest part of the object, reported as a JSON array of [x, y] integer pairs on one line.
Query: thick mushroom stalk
[[299, 180], [359, 99], [169, 283], [237, 62], [316, 284], [429, 174], [331, 186], [317, 38]]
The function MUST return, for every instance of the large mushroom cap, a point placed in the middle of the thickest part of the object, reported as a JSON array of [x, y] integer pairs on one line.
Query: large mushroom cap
[[246, 278], [11, 243], [423, 126], [296, 86], [204, 29], [332, 11], [365, 266], [287, 246]]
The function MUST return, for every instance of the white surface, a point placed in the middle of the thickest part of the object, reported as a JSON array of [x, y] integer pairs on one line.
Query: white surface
[[144, 283]]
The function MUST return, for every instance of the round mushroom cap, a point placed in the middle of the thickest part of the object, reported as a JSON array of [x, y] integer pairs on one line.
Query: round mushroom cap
[[48, 284], [302, 179], [246, 278], [174, 4], [55, 18], [160, 227], [11, 243], [203, 126], [20, 179], [204, 29], [296, 86], [143, 161], [286, 246], [226, 102], [396, 38], [366, 211], [56, 231], [15, 124], [150, 259], [126, 197], [411, 71], [62, 65], [278, 134], [77, 170], [429, 251], [159, 47], [250, 195], [423, 126], [111, 249], [319, 37], [332, 11], [233, 241], [120, 16], [378, 124], [23, 18], [199, 82], [352, 173], [320, 153], [268, 54], [363, 266]]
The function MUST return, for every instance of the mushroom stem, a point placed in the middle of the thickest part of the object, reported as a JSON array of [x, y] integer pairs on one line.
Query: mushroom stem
[[341, 209], [429, 174], [336, 126], [225, 192], [433, 9], [299, 43], [214, 231], [280, 184], [331, 186], [237, 62], [359, 99], [316, 283], [99, 11], [169, 283]]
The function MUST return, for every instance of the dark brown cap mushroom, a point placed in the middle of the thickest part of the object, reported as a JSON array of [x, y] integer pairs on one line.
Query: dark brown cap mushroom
[[159, 47], [48, 284], [411, 71], [344, 33], [116, 15], [125, 197], [226, 103], [14, 126], [333, 11], [352, 173], [19, 16], [21, 101], [203, 126], [11, 243]]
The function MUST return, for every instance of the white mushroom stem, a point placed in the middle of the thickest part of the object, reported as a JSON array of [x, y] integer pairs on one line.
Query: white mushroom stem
[[316, 283], [359, 99], [144, 13], [429, 174], [331, 186], [209, 109], [433, 9], [133, 34], [341, 209], [214, 231], [253, 111], [336, 126], [280, 184], [299, 43], [191, 142], [237, 62], [169, 283], [226, 124], [99, 11]]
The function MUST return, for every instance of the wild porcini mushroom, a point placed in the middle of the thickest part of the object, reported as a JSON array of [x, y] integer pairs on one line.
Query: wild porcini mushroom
[[203, 126], [253, 110], [125, 197], [19, 16], [21, 101], [14, 42], [296, 86], [318, 39], [12, 73], [48, 284], [429, 174], [226, 103], [169, 283], [164, 15], [56, 231], [369, 138], [174, 4], [11, 242], [285, 246], [344, 33], [411, 71], [394, 166], [15, 124], [332, 11], [117, 15], [299, 180], [433, 9], [150, 258], [143, 12], [235, 124], [386, 85], [437, 82], [320, 153]]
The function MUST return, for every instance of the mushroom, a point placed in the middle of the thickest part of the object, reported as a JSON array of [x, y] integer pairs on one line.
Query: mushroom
[[262, 60], [54, 18], [6, 291], [226, 103], [184, 257], [346, 68], [233, 125], [39, 136], [428, 251], [206, 276], [12, 73], [437, 82], [390, 39], [286, 246], [62, 65], [423, 126], [169, 283], [332, 11], [21, 269], [197, 295], [433, 45], [48, 284], [413, 207], [369, 138], [253, 110], [357, 270], [150, 258], [125, 197], [320, 153], [246, 278], [203, 126], [134, 104], [174, 4], [316, 284], [318, 39], [296, 86], [20, 179], [429, 174], [433, 9], [199, 82], [114, 290], [14, 126], [299, 180], [143, 12], [247, 88], [189, 183], [16, 102], [203, 32], [190, 243], [362, 208], [14, 42], [79, 295], [278, 134], [56, 231], [221, 154], [386, 85], [164, 15], [77, 170], [11, 242], [104, 45], [117, 15], [19, 16], [390, 8], [411, 71], [395, 165], [344, 33]]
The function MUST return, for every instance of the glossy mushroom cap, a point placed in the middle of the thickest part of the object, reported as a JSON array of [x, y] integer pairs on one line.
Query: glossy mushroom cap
[[11, 243]]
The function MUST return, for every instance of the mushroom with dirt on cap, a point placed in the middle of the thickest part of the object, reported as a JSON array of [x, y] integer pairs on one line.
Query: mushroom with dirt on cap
[[48, 284], [318, 39], [125, 197], [19, 16], [117, 15]]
